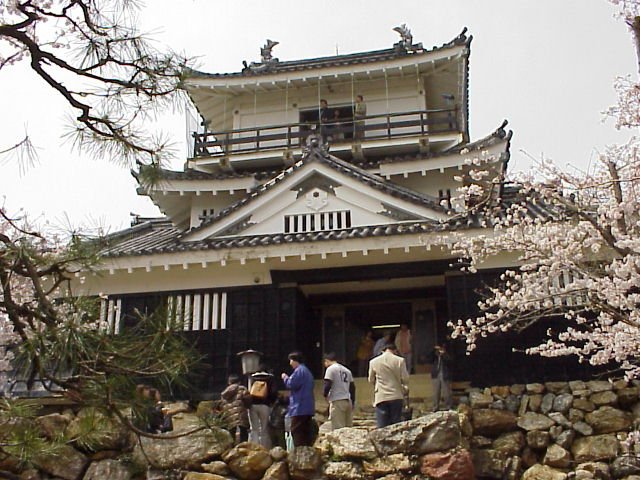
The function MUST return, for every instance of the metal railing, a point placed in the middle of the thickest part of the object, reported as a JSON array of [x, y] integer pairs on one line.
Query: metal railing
[[351, 130]]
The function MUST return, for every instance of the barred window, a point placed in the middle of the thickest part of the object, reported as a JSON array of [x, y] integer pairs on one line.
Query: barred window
[[314, 222], [189, 311]]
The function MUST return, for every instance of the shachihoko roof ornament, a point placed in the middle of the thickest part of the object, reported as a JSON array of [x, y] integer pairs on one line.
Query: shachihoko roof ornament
[[267, 60], [406, 40]]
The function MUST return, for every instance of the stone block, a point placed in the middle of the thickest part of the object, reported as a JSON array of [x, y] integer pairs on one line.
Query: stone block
[[510, 443], [557, 457], [547, 402], [535, 388], [543, 472], [604, 398], [538, 440], [343, 471], [595, 448], [599, 385], [534, 421], [454, 465], [608, 419], [557, 387], [563, 402], [493, 422], [434, 432]]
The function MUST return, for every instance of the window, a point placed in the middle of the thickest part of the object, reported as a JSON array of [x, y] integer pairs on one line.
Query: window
[[190, 311], [315, 222]]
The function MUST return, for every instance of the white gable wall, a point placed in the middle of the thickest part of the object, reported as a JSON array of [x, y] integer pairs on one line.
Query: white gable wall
[[431, 183], [362, 211], [208, 201], [284, 193]]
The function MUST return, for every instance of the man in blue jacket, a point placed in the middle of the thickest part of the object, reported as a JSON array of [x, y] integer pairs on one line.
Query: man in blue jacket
[[301, 401]]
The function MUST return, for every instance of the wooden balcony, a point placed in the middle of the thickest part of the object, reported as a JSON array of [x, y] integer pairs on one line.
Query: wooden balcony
[[373, 128]]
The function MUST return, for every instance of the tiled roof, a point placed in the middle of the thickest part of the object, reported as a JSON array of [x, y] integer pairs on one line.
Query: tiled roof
[[148, 236], [493, 138], [318, 153], [334, 61], [156, 236], [496, 136]]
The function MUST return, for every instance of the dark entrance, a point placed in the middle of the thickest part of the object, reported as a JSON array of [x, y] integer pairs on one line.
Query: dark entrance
[[342, 333]]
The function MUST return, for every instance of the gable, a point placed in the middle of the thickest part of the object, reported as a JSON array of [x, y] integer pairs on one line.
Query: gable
[[318, 209], [320, 195]]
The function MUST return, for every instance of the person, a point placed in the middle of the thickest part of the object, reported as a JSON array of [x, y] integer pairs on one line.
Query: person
[[325, 118], [340, 392], [335, 132], [441, 376], [301, 401], [380, 343], [143, 406], [277, 421], [388, 373], [364, 353], [403, 343], [359, 112], [263, 394], [235, 408]]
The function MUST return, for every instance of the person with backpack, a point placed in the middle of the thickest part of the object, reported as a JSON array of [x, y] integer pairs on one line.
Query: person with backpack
[[262, 393], [234, 408]]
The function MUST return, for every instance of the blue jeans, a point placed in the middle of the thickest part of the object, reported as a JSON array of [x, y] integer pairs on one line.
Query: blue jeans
[[388, 413]]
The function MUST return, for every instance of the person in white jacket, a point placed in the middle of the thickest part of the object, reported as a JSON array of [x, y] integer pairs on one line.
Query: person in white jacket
[[388, 373]]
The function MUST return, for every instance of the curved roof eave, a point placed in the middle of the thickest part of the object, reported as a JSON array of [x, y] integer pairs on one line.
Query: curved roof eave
[[373, 56]]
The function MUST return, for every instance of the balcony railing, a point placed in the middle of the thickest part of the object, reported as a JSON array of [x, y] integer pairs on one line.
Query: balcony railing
[[292, 135]]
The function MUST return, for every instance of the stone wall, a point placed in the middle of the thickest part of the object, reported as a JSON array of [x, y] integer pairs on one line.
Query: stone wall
[[555, 431]]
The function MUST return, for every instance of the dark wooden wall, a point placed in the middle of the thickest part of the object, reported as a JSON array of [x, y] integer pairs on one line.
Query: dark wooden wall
[[274, 321], [500, 358]]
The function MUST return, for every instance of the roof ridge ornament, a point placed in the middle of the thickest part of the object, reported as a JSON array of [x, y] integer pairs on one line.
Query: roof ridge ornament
[[265, 52], [405, 45], [267, 60], [315, 142]]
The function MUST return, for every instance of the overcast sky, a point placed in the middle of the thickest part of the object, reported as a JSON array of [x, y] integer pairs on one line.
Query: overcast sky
[[546, 66]]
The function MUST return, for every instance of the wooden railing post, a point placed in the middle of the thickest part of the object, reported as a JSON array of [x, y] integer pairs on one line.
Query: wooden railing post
[[388, 126], [195, 143]]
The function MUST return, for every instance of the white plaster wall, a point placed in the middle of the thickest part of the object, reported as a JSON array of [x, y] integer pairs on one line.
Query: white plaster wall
[[234, 273], [430, 183], [209, 201], [363, 212], [271, 109]]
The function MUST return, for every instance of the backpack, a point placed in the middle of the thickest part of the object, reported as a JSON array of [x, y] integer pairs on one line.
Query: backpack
[[259, 389]]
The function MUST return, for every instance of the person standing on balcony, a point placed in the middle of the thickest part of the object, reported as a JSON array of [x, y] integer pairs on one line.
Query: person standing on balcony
[[359, 112], [336, 132], [324, 119], [301, 401], [388, 373], [403, 343]]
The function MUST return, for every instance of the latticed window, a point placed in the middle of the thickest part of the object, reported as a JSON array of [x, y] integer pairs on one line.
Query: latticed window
[[198, 311], [189, 311], [315, 222]]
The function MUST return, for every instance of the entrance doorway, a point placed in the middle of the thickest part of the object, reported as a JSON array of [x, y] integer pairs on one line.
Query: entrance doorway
[[345, 326]]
